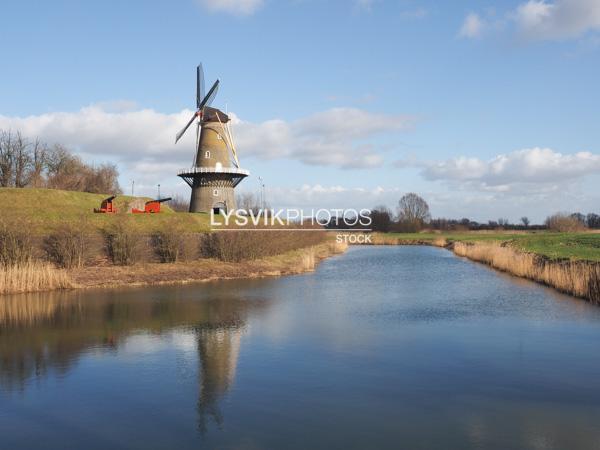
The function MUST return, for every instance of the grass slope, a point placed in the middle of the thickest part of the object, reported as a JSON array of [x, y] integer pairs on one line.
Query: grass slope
[[45, 209], [574, 246]]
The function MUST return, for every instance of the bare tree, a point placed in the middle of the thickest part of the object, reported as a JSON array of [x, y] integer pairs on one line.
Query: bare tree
[[24, 163], [503, 222], [592, 220], [6, 159], [525, 221], [39, 155], [247, 201], [179, 203], [564, 222], [65, 171], [21, 161], [413, 211], [102, 179]]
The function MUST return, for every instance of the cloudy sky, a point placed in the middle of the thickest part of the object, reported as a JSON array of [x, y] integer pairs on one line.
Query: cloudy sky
[[487, 109]]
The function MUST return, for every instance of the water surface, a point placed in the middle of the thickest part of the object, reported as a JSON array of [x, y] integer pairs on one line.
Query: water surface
[[383, 347]]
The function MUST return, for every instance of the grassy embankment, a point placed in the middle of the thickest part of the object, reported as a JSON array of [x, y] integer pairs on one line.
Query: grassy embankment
[[184, 252], [568, 262], [579, 246], [45, 209]]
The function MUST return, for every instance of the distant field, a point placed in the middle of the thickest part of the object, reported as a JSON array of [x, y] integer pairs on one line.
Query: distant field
[[44, 209], [585, 246]]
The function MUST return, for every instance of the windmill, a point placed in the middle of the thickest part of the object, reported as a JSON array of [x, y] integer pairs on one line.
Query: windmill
[[216, 170]]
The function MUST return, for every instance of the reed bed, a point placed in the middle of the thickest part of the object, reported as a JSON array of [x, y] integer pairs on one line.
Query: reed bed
[[578, 278], [308, 259], [440, 242], [32, 276], [336, 247]]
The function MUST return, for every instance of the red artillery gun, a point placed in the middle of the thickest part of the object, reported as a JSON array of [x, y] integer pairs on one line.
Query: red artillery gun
[[107, 206], [151, 207]]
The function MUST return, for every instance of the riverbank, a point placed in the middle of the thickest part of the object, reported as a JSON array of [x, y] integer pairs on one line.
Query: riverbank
[[567, 262], [47, 278]]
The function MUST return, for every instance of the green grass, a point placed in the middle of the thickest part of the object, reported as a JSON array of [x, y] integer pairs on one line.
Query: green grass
[[44, 209], [575, 246], [585, 246]]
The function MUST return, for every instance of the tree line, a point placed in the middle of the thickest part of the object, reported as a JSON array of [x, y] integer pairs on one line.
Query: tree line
[[413, 215], [32, 163]]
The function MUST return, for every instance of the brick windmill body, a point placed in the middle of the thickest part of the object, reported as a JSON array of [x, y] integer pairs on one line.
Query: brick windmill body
[[214, 174]]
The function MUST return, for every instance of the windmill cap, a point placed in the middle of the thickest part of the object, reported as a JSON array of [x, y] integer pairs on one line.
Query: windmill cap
[[214, 115]]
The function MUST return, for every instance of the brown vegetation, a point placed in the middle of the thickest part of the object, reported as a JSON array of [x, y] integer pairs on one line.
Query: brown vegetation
[[30, 263], [292, 262], [25, 163], [32, 276], [16, 246], [68, 246], [170, 244], [123, 243], [563, 223], [236, 246], [578, 278]]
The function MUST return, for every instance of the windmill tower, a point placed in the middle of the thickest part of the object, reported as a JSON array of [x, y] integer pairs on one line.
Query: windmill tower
[[214, 173]]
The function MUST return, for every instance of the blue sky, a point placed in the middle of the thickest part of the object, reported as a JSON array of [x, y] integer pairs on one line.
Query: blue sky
[[487, 109]]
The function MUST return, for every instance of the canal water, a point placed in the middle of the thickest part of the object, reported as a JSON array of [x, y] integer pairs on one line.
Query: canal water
[[383, 347]]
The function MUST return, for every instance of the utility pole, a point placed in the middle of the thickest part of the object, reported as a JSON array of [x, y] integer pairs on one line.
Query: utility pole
[[159, 191], [262, 193], [132, 187]]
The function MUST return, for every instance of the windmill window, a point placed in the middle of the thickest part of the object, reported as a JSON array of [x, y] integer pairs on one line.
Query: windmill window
[[207, 154], [216, 192]]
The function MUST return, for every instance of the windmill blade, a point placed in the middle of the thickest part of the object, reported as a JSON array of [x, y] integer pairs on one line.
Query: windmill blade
[[199, 85], [185, 128], [197, 143], [233, 150], [210, 96], [229, 140]]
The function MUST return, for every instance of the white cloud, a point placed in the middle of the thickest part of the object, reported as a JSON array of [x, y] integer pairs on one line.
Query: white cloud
[[542, 20], [537, 166], [561, 19], [472, 27], [334, 196], [339, 137], [235, 7]]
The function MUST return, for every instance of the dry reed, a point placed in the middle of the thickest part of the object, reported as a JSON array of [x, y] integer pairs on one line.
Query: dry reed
[[336, 247], [308, 259], [578, 278], [440, 242], [31, 277]]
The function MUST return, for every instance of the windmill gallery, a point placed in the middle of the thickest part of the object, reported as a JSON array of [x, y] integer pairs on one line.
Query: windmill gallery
[[216, 168]]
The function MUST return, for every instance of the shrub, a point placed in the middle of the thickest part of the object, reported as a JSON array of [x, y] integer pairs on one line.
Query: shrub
[[237, 246], [123, 243], [562, 222], [68, 246], [169, 244], [16, 246]]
